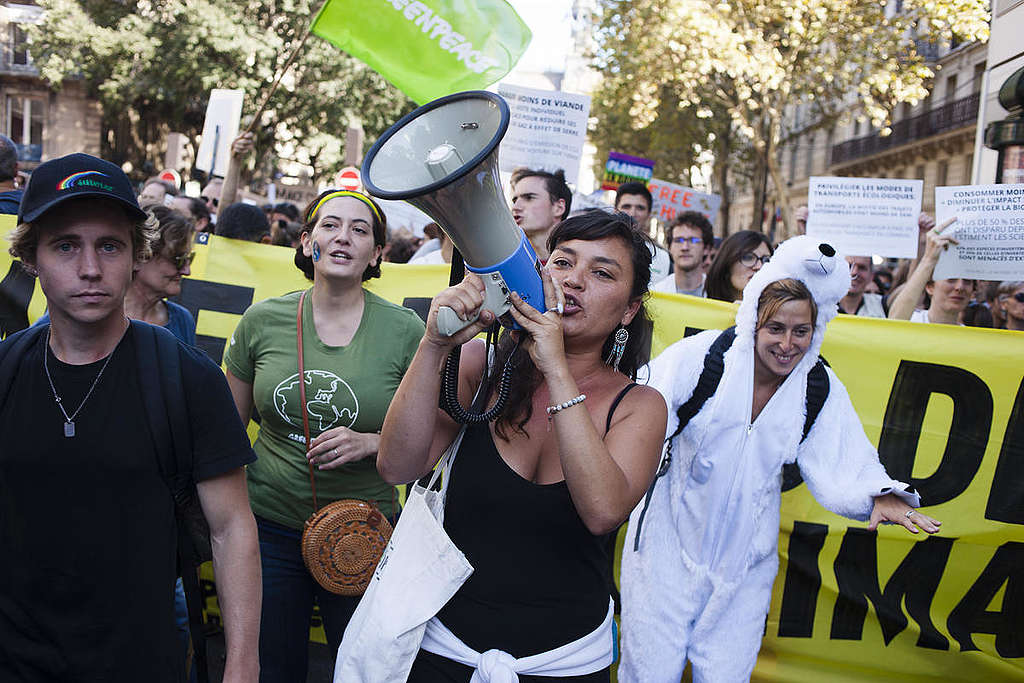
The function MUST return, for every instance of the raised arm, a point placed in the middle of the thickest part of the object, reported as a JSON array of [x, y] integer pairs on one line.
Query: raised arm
[[902, 306], [415, 431]]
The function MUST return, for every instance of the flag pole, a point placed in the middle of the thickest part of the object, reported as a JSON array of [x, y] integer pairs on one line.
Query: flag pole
[[282, 72]]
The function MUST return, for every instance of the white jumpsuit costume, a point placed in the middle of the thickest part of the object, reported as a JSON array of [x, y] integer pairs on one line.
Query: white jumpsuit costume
[[698, 587]]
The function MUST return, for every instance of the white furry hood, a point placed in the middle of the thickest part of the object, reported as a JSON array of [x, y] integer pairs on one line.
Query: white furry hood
[[814, 263]]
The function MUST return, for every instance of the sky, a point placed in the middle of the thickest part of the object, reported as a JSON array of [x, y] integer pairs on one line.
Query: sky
[[551, 23]]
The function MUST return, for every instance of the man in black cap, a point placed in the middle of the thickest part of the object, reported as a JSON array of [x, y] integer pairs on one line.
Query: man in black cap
[[87, 518]]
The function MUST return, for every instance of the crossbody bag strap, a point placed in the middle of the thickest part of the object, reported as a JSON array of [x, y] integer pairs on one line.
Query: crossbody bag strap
[[302, 395]]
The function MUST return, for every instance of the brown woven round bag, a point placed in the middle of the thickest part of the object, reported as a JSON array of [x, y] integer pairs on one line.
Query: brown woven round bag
[[342, 543]]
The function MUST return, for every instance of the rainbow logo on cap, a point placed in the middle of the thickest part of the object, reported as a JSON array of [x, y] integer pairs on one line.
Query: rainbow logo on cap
[[81, 179]]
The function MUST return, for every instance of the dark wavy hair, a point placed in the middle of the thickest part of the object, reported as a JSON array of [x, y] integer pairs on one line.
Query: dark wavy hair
[[719, 283], [380, 231], [588, 225]]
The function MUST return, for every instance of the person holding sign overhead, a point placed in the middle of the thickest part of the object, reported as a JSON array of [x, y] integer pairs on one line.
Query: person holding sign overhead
[[947, 299]]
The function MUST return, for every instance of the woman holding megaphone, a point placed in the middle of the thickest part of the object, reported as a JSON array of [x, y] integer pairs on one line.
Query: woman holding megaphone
[[533, 496]]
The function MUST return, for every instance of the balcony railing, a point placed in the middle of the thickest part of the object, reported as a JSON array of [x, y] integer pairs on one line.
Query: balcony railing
[[957, 114]]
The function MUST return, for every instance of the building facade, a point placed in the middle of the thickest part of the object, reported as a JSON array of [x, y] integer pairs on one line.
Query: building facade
[[933, 141], [42, 121]]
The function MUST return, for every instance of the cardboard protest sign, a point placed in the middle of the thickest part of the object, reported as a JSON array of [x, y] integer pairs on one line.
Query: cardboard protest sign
[[671, 200], [865, 216], [623, 168], [546, 131], [223, 115], [989, 229]]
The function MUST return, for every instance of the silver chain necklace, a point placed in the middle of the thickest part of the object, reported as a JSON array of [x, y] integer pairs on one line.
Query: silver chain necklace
[[69, 420]]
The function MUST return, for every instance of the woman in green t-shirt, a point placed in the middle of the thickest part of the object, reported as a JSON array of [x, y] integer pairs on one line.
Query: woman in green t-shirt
[[356, 348]]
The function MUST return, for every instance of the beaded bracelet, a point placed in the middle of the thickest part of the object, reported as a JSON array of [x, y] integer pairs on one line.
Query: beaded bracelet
[[562, 406]]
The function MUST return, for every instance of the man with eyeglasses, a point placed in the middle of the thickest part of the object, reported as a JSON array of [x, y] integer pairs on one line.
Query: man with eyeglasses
[[689, 236], [211, 195]]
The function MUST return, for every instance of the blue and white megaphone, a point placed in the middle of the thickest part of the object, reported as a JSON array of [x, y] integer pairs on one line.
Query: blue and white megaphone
[[443, 159]]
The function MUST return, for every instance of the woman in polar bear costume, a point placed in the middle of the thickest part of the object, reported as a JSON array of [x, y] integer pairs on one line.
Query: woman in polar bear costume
[[696, 583]]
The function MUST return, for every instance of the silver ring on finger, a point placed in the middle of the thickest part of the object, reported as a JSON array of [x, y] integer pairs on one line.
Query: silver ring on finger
[[909, 512], [337, 451]]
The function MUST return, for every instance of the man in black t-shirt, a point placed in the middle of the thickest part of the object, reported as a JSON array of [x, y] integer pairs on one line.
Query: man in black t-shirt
[[87, 521]]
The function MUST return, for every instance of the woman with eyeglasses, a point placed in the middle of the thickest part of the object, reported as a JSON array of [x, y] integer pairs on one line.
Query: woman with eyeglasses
[[1010, 300], [740, 256], [160, 277]]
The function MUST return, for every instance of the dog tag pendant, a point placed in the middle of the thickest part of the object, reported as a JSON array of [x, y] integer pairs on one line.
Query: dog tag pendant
[[69, 429]]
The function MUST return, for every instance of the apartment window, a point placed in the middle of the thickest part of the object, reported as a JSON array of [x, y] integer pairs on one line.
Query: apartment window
[[856, 128], [25, 126], [979, 77], [809, 166], [941, 174], [19, 46], [919, 172], [951, 89], [793, 152]]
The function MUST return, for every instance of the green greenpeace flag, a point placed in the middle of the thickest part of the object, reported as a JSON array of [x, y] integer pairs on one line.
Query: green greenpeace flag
[[428, 48]]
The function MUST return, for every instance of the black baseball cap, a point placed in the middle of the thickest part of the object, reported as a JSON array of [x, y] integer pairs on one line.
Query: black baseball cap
[[74, 176]]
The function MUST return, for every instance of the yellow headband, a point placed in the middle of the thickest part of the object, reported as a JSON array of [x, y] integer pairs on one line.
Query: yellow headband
[[346, 193]]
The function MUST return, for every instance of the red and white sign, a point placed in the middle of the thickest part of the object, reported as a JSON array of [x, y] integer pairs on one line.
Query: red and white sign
[[348, 179], [171, 176]]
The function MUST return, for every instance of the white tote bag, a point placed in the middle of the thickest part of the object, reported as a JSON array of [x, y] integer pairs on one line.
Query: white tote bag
[[419, 571]]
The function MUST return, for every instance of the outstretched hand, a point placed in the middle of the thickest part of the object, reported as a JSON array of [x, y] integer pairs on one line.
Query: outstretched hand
[[890, 508]]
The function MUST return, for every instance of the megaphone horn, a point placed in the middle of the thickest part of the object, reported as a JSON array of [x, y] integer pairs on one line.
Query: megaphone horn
[[443, 159]]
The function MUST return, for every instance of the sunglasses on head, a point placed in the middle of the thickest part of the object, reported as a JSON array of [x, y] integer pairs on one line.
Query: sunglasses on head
[[1019, 296], [183, 260], [685, 240], [750, 258]]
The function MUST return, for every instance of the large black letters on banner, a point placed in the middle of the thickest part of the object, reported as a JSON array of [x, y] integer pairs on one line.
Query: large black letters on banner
[[803, 580], [1006, 499], [197, 295], [15, 294], [971, 614], [914, 582], [968, 433]]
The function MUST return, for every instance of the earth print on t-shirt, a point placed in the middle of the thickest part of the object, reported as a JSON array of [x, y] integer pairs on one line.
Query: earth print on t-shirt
[[330, 401]]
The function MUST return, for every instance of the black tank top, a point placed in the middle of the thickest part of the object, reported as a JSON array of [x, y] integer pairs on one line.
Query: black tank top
[[540, 578]]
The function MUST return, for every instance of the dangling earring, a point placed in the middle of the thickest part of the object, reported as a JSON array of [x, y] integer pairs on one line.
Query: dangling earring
[[621, 337], [316, 252]]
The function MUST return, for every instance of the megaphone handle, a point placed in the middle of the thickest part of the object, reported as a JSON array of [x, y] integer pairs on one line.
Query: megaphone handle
[[496, 300], [449, 322]]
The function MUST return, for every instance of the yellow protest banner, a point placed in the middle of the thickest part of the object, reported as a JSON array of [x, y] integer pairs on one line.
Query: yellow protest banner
[[944, 405]]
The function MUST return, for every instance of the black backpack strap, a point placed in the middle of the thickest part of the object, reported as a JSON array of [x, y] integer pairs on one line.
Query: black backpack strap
[[12, 351], [707, 384], [817, 394], [159, 363]]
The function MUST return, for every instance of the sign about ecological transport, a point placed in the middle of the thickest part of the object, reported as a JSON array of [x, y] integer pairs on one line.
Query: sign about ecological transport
[[989, 228], [670, 200], [623, 168], [865, 216], [546, 131]]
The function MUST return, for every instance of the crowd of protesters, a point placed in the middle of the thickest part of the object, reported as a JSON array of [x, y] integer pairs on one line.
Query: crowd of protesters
[[106, 252]]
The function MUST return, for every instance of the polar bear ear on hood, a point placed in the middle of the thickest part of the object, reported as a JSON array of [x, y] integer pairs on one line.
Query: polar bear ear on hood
[[816, 264]]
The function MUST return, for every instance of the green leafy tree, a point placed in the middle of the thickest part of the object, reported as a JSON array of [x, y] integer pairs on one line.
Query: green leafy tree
[[152, 64], [752, 59]]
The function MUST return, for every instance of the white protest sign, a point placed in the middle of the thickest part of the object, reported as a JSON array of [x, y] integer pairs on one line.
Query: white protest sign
[[223, 115], [671, 200], [989, 228], [546, 131], [865, 216]]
